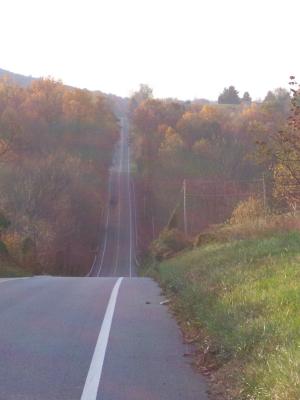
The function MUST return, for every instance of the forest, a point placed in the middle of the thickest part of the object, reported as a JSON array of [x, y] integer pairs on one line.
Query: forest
[[214, 155], [56, 145]]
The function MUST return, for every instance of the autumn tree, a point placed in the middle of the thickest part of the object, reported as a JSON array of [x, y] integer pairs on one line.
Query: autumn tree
[[171, 145], [144, 93], [4, 222], [285, 150], [11, 98]]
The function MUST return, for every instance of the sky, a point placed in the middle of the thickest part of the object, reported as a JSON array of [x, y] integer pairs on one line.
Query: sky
[[183, 49]]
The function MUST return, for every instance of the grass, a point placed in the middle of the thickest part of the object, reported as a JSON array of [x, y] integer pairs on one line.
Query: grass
[[242, 298]]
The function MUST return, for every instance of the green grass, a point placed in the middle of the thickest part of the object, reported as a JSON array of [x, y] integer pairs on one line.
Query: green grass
[[245, 296]]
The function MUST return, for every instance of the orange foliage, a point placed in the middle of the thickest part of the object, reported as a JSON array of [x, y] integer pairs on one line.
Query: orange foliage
[[57, 143]]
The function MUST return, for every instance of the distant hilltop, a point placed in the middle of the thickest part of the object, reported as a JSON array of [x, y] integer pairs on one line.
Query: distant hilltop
[[21, 80], [119, 104]]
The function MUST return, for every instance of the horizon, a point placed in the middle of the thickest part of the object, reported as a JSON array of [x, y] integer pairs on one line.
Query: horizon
[[189, 50]]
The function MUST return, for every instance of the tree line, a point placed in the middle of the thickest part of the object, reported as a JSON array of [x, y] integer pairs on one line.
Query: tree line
[[234, 139]]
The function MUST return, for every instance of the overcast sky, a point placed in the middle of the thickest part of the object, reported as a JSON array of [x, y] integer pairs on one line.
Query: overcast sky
[[181, 48]]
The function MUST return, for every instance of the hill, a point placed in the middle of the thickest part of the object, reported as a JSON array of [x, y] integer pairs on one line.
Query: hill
[[18, 78], [119, 104]]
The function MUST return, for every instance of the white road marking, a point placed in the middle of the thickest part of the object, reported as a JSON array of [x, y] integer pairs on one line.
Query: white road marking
[[135, 217], [106, 227], [130, 215], [92, 267], [92, 382], [105, 237], [14, 279], [119, 199], [136, 241], [105, 242]]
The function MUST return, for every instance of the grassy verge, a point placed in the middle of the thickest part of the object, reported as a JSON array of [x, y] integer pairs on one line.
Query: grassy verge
[[241, 301]]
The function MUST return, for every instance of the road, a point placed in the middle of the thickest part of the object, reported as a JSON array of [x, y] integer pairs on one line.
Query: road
[[106, 336], [116, 253]]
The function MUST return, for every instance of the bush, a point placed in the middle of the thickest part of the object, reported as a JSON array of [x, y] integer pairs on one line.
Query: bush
[[205, 238], [28, 246], [3, 249], [169, 242], [247, 210], [4, 222]]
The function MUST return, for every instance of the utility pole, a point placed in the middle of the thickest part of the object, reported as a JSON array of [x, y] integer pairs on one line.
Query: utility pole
[[264, 193], [153, 228], [184, 208]]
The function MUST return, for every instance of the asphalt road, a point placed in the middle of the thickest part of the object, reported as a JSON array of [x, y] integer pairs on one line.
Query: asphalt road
[[116, 251], [95, 338]]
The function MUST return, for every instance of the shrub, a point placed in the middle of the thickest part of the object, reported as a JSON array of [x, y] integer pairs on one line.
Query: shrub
[[247, 210], [169, 242], [205, 238], [4, 222], [3, 249], [28, 246]]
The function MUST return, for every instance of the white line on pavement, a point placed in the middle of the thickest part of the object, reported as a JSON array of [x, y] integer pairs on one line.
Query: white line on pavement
[[119, 199], [93, 265], [92, 382], [130, 212], [135, 217], [14, 279], [105, 242]]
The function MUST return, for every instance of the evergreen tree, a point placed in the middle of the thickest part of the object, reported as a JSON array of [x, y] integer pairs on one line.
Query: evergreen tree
[[270, 97], [247, 98], [229, 96]]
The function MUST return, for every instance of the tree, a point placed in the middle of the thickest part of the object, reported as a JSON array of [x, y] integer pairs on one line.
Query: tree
[[270, 97], [247, 98], [172, 144], [46, 99], [4, 222], [194, 126], [277, 101], [284, 150], [144, 93], [229, 96], [10, 130], [11, 97]]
